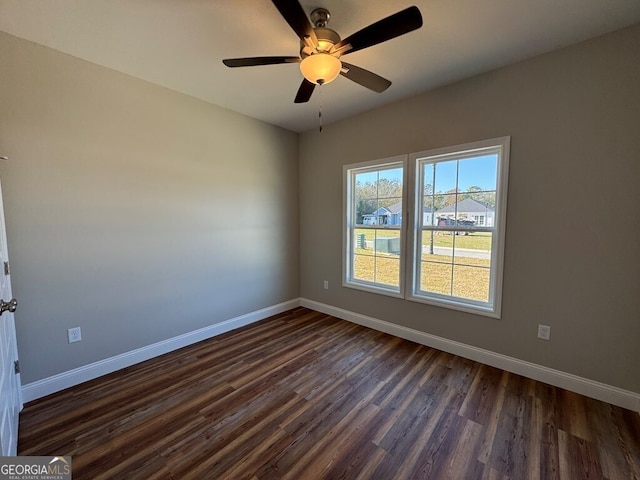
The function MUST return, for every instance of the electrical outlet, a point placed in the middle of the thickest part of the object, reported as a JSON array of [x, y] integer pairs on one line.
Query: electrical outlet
[[74, 334], [326, 284], [544, 332]]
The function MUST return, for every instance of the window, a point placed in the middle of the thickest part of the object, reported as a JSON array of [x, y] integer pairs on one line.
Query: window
[[457, 257], [479, 219], [374, 239], [454, 213]]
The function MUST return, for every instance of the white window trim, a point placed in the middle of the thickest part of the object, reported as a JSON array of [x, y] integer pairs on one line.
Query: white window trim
[[410, 230], [348, 242], [497, 259]]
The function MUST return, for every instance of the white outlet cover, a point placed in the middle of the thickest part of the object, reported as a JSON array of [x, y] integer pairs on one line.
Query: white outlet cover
[[544, 332], [74, 334]]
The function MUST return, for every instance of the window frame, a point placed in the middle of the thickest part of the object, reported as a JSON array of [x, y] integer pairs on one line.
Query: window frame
[[411, 228], [493, 307], [349, 226]]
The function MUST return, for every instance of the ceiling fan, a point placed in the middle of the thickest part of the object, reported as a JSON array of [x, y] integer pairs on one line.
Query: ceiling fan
[[321, 48]]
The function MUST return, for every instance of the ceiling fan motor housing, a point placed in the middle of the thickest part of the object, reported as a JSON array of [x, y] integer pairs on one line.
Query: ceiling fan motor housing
[[327, 38]]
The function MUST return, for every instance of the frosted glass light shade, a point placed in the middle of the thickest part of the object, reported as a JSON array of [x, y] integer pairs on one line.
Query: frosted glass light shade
[[320, 68]]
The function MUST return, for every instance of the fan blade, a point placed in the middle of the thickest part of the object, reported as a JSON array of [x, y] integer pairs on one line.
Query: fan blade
[[293, 13], [255, 61], [365, 78], [393, 26], [305, 91]]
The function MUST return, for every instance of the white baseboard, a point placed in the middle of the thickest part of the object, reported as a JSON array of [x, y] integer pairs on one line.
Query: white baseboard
[[56, 383], [590, 388], [568, 381]]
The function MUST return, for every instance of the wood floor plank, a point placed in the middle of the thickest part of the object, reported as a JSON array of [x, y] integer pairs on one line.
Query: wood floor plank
[[509, 453], [579, 458], [304, 395]]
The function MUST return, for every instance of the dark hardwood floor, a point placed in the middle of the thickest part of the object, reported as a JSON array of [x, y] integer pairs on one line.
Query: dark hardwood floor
[[303, 395]]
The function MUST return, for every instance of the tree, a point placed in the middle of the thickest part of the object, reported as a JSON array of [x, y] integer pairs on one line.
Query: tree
[[480, 195]]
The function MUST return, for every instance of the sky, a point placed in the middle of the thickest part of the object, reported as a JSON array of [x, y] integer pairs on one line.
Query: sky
[[478, 171]]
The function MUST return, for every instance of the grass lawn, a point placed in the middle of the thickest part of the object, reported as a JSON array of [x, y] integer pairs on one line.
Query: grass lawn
[[460, 275], [473, 241]]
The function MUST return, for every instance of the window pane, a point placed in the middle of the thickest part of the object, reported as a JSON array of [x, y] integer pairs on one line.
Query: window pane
[[390, 183], [363, 240], [365, 199], [446, 172], [387, 243], [379, 215], [388, 271], [428, 181], [473, 249], [364, 267], [389, 211], [365, 184], [379, 261], [428, 217], [446, 209], [378, 197], [436, 277], [478, 173], [437, 247], [471, 282], [481, 206]]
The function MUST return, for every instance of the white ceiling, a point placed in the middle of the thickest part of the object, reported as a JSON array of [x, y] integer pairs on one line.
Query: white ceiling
[[179, 44]]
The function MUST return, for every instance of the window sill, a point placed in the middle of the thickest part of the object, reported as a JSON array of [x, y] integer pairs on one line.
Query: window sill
[[371, 288], [485, 311]]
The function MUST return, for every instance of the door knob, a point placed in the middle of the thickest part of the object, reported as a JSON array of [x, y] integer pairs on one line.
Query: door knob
[[9, 306]]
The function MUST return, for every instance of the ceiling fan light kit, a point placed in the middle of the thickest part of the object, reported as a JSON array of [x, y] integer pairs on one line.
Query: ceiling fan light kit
[[321, 47], [320, 68], [320, 64]]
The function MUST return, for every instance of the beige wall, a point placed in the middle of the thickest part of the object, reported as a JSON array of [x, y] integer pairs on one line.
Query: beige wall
[[135, 212], [573, 224]]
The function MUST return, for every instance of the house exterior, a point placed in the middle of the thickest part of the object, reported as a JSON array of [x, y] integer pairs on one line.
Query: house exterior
[[481, 213], [392, 215]]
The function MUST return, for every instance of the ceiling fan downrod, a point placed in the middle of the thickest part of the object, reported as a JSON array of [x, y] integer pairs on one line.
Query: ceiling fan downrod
[[320, 17]]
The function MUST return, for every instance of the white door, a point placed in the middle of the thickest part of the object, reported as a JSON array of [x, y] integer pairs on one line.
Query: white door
[[10, 392]]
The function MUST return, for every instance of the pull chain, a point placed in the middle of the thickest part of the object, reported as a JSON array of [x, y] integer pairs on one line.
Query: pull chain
[[320, 106]]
